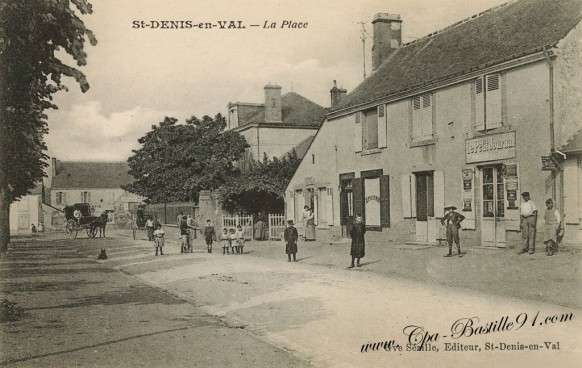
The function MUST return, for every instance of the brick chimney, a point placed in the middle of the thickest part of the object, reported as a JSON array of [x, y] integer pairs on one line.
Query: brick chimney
[[273, 112], [387, 37], [337, 94], [54, 170]]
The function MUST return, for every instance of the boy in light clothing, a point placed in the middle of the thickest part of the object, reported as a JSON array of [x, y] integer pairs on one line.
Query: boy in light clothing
[[159, 239]]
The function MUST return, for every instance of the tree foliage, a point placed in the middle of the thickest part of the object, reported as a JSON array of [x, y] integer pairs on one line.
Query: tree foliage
[[34, 34], [177, 161], [261, 188]]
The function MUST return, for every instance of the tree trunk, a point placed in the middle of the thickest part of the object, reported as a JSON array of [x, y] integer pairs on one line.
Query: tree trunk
[[4, 221]]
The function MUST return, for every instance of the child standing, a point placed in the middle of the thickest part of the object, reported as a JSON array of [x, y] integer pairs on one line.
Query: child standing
[[240, 239], [159, 239], [232, 240], [290, 235], [225, 238], [209, 235], [184, 234]]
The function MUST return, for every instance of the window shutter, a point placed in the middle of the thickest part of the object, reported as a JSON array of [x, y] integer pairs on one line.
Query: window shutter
[[382, 126], [358, 133], [385, 201], [493, 102], [64, 200], [416, 117], [358, 192], [315, 206], [426, 123], [439, 193], [329, 206], [407, 204], [88, 197], [479, 105]]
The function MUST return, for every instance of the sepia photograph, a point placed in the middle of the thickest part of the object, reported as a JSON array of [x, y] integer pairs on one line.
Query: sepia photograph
[[291, 183]]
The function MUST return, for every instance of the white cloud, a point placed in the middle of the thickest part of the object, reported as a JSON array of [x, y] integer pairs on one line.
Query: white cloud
[[84, 132]]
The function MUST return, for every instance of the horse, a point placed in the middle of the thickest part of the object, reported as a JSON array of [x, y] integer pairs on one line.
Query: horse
[[100, 224]]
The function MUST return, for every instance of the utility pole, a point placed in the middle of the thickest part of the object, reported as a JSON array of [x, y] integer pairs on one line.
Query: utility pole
[[363, 36]]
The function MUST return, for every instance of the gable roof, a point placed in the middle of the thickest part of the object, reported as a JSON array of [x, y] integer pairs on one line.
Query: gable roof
[[574, 145], [509, 31], [295, 110], [91, 175], [301, 148]]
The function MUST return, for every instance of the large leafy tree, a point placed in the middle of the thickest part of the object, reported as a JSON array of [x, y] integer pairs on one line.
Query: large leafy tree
[[34, 35], [261, 188], [177, 161]]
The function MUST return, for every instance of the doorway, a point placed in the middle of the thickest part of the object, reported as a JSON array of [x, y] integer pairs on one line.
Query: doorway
[[425, 220], [493, 207]]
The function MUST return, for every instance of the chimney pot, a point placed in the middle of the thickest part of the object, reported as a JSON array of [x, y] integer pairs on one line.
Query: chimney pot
[[337, 94]]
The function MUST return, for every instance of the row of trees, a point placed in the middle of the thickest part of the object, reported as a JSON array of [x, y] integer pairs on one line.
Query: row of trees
[[177, 161], [33, 34]]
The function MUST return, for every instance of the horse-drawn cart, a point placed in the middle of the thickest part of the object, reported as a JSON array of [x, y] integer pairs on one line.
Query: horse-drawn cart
[[86, 222]]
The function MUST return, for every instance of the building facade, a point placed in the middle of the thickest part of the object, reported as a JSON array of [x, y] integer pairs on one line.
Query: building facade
[[278, 125], [96, 183], [466, 116]]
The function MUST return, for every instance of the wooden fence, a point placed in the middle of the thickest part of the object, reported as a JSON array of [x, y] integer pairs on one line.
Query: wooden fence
[[277, 225]]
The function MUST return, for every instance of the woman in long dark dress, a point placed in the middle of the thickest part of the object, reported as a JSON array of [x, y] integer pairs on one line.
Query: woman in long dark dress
[[358, 249]]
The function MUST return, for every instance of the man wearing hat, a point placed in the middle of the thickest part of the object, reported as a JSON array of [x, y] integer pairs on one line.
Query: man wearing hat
[[290, 235], [528, 215], [453, 223]]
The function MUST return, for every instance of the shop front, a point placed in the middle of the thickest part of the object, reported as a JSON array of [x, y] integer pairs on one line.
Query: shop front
[[491, 183]]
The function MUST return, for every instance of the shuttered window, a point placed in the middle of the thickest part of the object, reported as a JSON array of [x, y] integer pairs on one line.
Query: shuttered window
[[488, 106], [358, 195], [422, 119], [357, 132], [385, 201]]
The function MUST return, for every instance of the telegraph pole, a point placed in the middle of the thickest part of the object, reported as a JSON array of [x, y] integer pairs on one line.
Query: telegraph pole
[[363, 36]]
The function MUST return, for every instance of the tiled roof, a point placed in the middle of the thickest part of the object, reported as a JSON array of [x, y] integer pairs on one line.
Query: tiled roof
[[91, 175], [574, 144], [295, 109], [503, 33], [301, 148]]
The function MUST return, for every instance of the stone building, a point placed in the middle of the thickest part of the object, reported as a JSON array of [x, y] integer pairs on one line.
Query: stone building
[[93, 182], [468, 115], [276, 126]]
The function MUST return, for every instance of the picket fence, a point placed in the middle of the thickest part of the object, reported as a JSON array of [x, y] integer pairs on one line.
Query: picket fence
[[276, 225]]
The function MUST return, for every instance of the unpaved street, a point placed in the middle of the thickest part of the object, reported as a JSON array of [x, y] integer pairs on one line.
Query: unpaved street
[[320, 315]]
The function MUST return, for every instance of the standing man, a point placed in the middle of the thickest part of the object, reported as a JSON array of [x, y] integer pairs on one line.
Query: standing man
[[453, 223], [528, 216]]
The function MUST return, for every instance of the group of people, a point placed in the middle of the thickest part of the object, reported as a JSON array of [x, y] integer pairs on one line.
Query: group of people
[[552, 233], [233, 242], [357, 250], [553, 229]]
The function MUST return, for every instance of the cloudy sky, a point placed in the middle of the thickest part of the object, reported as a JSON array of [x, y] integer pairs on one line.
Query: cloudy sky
[[138, 76]]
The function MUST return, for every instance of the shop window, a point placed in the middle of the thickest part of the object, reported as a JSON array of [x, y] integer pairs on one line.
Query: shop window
[[422, 117], [488, 109]]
